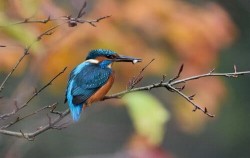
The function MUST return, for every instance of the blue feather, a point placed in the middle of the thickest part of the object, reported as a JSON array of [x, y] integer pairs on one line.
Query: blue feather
[[74, 109], [83, 82], [99, 52]]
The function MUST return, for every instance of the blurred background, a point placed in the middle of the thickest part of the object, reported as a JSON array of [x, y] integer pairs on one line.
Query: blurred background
[[201, 34]]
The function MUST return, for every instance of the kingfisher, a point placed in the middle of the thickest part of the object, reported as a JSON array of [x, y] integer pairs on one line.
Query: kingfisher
[[91, 80]]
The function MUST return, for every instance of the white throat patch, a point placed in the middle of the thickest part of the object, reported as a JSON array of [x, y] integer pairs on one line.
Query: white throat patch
[[93, 61], [110, 65]]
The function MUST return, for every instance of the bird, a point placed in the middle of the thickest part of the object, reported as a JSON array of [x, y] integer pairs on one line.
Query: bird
[[91, 80]]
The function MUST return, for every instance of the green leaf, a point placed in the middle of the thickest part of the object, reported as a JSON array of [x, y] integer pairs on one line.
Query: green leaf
[[148, 115]]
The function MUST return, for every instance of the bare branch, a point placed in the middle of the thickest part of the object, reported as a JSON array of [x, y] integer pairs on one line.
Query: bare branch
[[71, 21], [10, 124], [53, 122], [231, 74], [190, 101], [212, 70], [18, 119], [26, 136], [163, 78], [167, 84], [235, 71], [55, 112], [191, 97], [25, 53], [173, 85], [12, 71], [81, 12], [92, 22], [48, 32], [28, 20], [32, 135], [136, 79], [170, 86], [4, 116], [178, 75]]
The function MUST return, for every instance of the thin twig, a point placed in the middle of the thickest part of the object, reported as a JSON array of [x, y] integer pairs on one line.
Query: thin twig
[[4, 116], [136, 79], [92, 22], [48, 32], [163, 78], [29, 20], [169, 85], [196, 107], [81, 12], [231, 74], [18, 119], [32, 135], [25, 53], [13, 69], [71, 21], [52, 123], [178, 75]]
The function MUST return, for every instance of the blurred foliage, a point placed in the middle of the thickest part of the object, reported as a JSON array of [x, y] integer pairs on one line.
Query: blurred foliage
[[148, 115], [181, 27], [173, 32]]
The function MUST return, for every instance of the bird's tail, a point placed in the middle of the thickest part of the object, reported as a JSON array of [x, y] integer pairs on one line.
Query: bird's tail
[[75, 111]]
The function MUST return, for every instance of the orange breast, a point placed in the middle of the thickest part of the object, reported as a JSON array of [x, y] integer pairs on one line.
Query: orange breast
[[100, 93]]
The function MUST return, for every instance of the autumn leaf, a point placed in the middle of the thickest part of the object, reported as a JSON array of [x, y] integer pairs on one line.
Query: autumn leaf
[[148, 115]]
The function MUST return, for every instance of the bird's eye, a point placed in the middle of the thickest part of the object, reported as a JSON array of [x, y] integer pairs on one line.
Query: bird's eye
[[112, 57]]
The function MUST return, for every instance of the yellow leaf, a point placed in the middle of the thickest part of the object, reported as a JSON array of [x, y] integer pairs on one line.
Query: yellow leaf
[[148, 115]]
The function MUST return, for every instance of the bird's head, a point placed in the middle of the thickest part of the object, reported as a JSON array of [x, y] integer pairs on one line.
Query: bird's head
[[108, 57]]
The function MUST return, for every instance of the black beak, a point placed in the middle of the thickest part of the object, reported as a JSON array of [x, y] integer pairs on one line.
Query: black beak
[[122, 58]]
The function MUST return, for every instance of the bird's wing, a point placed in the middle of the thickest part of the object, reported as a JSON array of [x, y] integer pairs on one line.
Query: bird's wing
[[87, 81], [71, 76]]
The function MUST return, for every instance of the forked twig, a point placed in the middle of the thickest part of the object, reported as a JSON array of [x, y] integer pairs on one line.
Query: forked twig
[[53, 123], [196, 107], [4, 116], [169, 85], [25, 53], [32, 135], [166, 84], [18, 119], [136, 79], [71, 21]]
